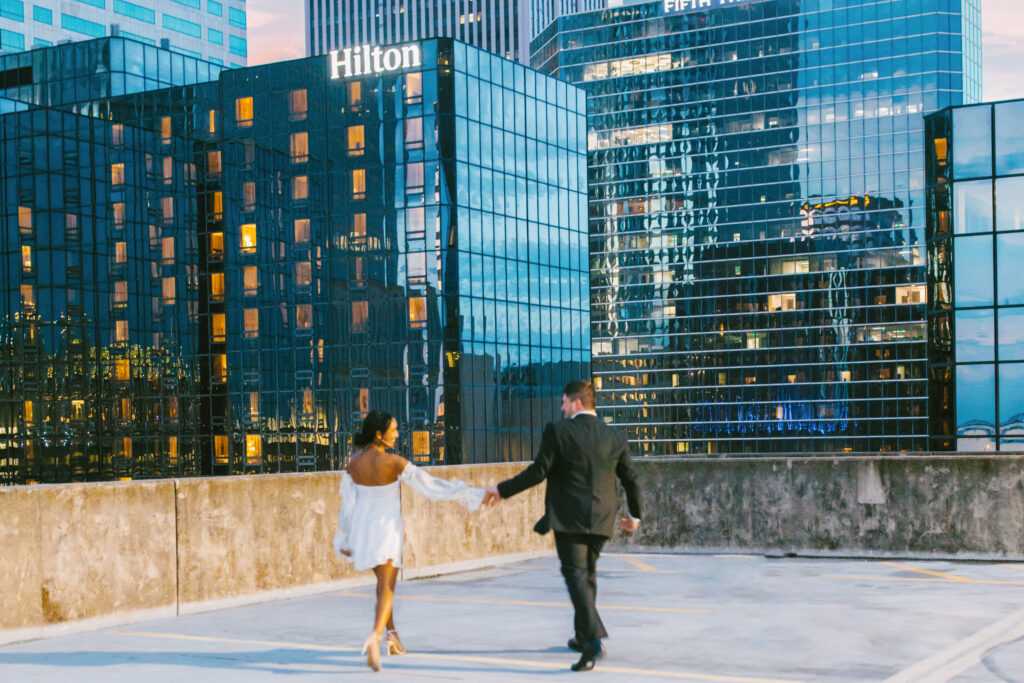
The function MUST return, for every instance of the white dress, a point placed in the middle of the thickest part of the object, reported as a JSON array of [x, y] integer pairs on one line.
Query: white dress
[[370, 520]]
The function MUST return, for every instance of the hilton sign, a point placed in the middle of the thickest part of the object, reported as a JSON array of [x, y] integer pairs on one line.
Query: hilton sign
[[365, 60]]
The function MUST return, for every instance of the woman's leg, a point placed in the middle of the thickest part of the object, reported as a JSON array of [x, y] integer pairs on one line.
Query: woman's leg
[[385, 595], [391, 612]]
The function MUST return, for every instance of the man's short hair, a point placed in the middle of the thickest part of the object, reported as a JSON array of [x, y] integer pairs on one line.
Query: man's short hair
[[582, 390]]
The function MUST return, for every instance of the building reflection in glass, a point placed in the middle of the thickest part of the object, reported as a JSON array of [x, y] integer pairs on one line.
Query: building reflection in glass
[[757, 238], [975, 174], [225, 277]]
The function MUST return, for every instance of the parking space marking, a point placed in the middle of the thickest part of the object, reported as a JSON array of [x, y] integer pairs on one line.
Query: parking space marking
[[467, 659], [907, 567], [528, 603]]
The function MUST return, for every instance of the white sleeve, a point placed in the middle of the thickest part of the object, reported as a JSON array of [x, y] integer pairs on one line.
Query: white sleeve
[[442, 489], [348, 504]]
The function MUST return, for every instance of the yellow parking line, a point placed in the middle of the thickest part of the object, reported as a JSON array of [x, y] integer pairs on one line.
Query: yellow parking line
[[1018, 567], [637, 563], [906, 578], [950, 577], [470, 659], [675, 610]]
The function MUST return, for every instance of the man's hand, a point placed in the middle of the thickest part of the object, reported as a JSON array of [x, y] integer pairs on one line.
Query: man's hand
[[629, 525], [346, 553], [491, 495]]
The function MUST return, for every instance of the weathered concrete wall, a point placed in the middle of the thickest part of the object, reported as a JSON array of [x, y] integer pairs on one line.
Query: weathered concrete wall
[[85, 551], [915, 505], [91, 552]]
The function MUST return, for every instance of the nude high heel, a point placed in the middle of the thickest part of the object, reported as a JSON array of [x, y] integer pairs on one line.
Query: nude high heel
[[394, 644], [371, 646]]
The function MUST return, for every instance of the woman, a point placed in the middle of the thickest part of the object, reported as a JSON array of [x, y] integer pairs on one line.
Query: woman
[[370, 522]]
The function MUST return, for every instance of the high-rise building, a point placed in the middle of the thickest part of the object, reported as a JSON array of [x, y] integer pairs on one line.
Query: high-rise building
[[212, 30], [499, 26], [756, 179], [975, 167], [226, 276]]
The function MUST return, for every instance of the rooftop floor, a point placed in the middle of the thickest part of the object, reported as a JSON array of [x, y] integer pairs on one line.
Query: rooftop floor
[[700, 618]]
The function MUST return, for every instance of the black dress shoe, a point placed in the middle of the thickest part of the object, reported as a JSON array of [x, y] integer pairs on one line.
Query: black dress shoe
[[574, 645], [590, 652]]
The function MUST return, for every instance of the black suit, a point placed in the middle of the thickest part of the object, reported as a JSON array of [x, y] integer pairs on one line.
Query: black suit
[[580, 458]]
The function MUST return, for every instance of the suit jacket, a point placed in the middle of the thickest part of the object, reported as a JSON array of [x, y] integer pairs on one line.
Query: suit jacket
[[580, 458]]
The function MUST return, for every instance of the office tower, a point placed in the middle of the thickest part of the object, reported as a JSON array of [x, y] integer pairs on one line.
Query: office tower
[[225, 277], [756, 183], [212, 30], [498, 26], [975, 230]]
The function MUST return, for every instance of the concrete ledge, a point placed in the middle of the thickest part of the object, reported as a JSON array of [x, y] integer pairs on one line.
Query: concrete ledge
[[91, 624], [472, 565]]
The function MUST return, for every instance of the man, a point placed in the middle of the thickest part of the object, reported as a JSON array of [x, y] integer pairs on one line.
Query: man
[[580, 457]]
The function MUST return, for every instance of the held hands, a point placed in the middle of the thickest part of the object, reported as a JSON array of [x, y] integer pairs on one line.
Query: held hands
[[346, 553], [491, 495], [629, 525]]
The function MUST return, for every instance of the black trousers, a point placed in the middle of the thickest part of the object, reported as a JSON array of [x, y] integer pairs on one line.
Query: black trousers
[[578, 554]]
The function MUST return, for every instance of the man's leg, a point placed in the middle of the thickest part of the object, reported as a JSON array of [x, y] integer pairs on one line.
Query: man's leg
[[573, 551], [594, 546]]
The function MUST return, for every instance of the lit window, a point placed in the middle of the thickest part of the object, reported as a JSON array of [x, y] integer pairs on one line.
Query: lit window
[[216, 245], [627, 67], [25, 219], [167, 249], [167, 290], [220, 367], [302, 274], [218, 205], [249, 196], [117, 174], [356, 140], [28, 296], [363, 401], [213, 163], [254, 403], [29, 413], [360, 310], [297, 104], [417, 311], [359, 183], [217, 286], [250, 279], [355, 93], [117, 134], [307, 401], [165, 129], [168, 170], [252, 322], [302, 230], [123, 372], [359, 225], [172, 450], [167, 209], [220, 449], [121, 331], [414, 86], [249, 238], [117, 208], [121, 292], [213, 121], [120, 252], [414, 132], [77, 409], [300, 187], [243, 111], [357, 269], [70, 225], [304, 316], [300, 147], [218, 333], [253, 452], [26, 258]]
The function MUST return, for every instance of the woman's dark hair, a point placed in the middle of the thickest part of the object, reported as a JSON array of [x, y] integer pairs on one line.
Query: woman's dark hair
[[376, 421]]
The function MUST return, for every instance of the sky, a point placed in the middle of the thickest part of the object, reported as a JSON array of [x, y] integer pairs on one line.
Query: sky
[[276, 34]]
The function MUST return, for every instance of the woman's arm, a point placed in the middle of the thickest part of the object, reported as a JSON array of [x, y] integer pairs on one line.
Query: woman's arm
[[441, 489], [348, 504]]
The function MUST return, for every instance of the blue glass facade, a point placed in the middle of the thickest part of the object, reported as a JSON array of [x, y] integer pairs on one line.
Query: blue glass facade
[[975, 164], [756, 190], [225, 277]]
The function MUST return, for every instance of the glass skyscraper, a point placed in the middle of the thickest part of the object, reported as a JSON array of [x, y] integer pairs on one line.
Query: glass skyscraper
[[212, 30], [757, 192], [975, 166], [224, 277]]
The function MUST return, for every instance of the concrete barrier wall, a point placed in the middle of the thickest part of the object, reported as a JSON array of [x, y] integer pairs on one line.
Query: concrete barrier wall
[[99, 554], [957, 506]]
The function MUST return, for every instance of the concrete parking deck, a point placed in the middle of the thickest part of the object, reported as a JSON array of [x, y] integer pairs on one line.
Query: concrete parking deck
[[702, 618]]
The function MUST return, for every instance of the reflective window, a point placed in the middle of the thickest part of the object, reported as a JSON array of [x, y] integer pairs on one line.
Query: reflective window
[[972, 205], [972, 278], [117, 174], [975, 335], [356, 140], [1009, 138], [300, 147], [300, 187], [243, 111], [972, 147], [297, 107], [975, 398], [1011, 335], [1010, 260], [1010, 203], [1011, 399]]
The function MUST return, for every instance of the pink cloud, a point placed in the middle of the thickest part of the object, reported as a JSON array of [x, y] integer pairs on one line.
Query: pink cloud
[[1002, 50], [276, 30]]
